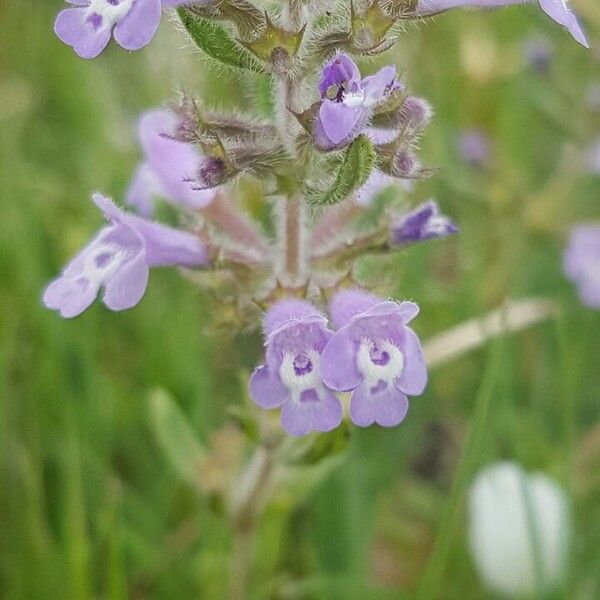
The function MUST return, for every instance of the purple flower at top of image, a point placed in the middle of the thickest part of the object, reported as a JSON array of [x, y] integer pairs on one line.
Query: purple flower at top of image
[[118, 259], [167, 167], [557, 10], [295, 333], [347, 101], [581, 262], [474, 147], [375, 355], [89, 24], [425, 222]]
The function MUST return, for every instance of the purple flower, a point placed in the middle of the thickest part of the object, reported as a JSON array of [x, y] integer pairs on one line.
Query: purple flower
[[167, 167], [88, 26], [295, 333], [581, 262], [374, 355], [423, 223], [557, 10], [118, 259], [474, 147], [347, 101]]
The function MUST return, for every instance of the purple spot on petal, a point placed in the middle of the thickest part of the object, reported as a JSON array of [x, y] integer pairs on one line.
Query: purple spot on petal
[[379, 357], [103, 259], [95, 20], [380, 387], [302, 365], [113, 2], [309, 396]]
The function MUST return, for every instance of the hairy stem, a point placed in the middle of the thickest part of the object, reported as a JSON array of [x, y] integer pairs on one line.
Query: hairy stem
[[291, 234]]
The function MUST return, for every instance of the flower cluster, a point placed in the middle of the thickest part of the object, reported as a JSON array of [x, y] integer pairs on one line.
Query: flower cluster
[[335, 141], [372, 353]]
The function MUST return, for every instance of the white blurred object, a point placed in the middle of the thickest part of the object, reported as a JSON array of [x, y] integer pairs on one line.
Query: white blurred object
[[519, 530]]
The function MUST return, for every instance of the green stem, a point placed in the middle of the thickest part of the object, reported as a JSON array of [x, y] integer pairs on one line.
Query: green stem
[[430, 584]]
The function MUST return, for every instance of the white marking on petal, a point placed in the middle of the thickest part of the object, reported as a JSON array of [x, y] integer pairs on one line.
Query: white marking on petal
[[374, 370], [301, 372], [102, 261], [109, 13]]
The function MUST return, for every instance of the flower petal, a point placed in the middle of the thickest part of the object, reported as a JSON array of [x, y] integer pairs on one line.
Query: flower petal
[[74, 29], [143, 188], [171, 161], [266, 389], [382, 404], [69, 296], [414, 376], [341, 122], [559, 12], [138, 26], [127, 285], [338, 361], [314, 411]]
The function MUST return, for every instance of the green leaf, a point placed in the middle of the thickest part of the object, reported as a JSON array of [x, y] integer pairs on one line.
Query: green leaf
[[214, 40], [176, 437], [352, 173]]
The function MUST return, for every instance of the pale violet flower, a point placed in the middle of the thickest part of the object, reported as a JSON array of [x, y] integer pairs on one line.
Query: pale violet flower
[[347, 101], [88, 25], [295, 335], [518, 525], [167, 168], [374, 355], [425, 222], [581, 262], [118, 259], [474, 147], [558, 10]]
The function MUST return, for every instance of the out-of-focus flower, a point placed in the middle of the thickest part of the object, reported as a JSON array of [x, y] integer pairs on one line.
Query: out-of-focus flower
[[375, 355], [593, 97], [474, 147], [538, 52], [557, 10], [118, 259], [89, 24], [347, 101], [296, 333], [168, 167], [518, 521], [592, 158], [425, 222], [581, 262]]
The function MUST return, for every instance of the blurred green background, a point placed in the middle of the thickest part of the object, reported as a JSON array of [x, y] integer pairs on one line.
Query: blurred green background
[[89, 504]]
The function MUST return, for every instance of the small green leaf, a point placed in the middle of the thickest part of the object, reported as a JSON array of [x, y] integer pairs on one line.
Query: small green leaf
[[214, 40], [176, 437], [353, 172]]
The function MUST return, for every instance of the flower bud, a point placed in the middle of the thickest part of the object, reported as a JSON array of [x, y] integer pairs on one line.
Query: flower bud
[[404, 164], [519, 530], [415, 113], [210, 173]]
